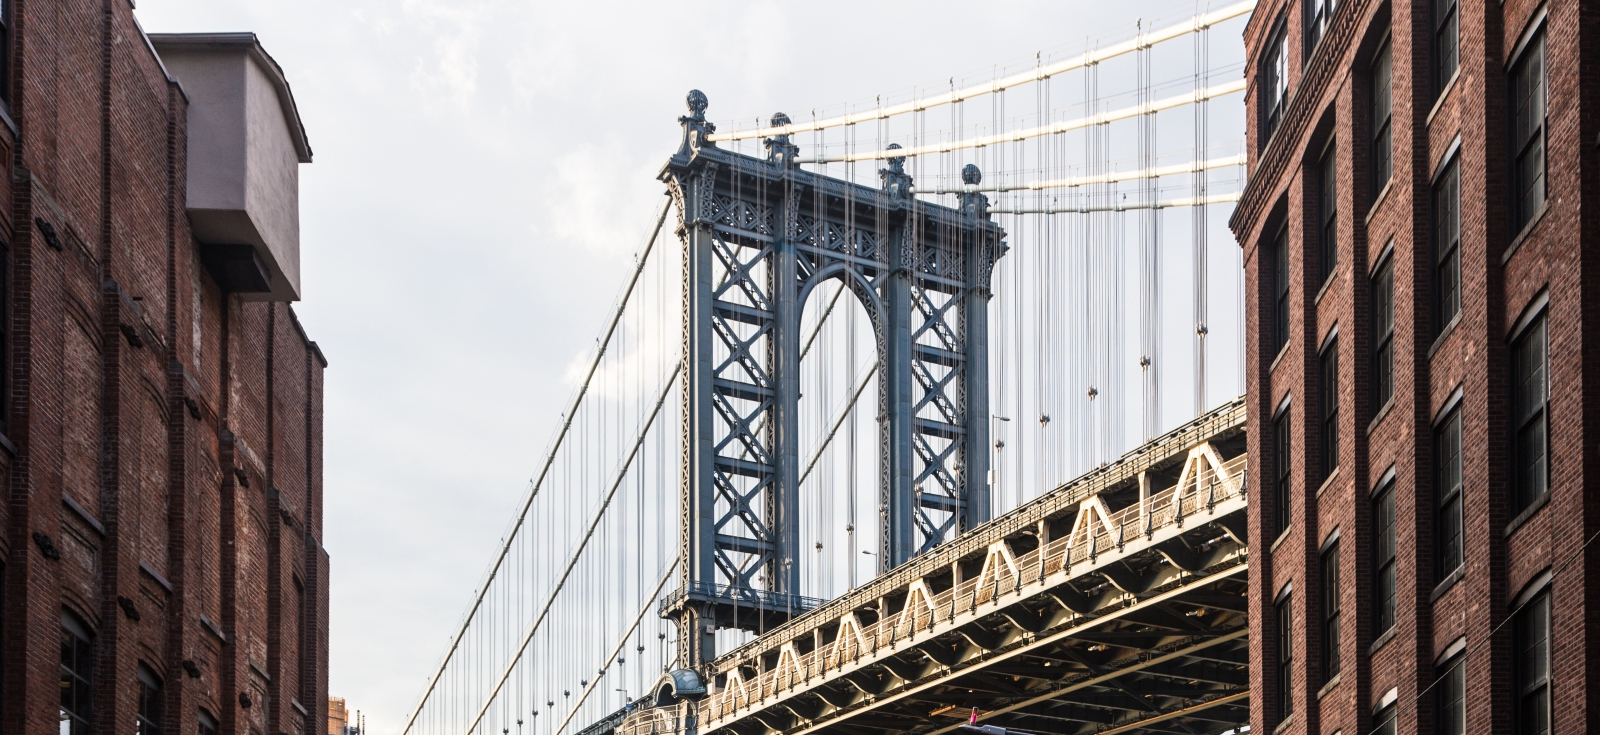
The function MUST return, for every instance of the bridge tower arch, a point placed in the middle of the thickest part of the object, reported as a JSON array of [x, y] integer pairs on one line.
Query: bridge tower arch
[[758, 234]]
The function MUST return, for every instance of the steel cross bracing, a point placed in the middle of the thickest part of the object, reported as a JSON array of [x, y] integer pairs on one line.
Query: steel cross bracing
[[1113, 604], [759, 235]]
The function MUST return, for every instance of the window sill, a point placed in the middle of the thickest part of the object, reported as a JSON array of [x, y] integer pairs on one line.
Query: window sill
[[1527, 229], [1438, 341], [1282, 537], [1328, 481], [5, 443], [1284, 350], [1326, 283], [1328, 687], [1449, 86], [1382, 640], [1372, 425], [1377, 202], [1449, 582], [1283, 724], [1528, 513]]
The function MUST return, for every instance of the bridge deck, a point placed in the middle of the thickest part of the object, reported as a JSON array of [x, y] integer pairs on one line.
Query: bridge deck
[[1104, 606]]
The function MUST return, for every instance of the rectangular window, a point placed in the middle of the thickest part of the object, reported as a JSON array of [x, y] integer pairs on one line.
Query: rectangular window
[[1280, 290], [1383, 556], [1529, 409], [1328, 375], [5, 51], [148, 720], [1383, 334], [208, 724], [1447, 489], [1318, 14], [1447, 245], [1285, 658], [77, 676], [1382, 113], [1283, 496], [1531, 667], [1274, 83], [1527, 132], [1330, 613], [1446, 42], [1329, 237], [1450, 697]]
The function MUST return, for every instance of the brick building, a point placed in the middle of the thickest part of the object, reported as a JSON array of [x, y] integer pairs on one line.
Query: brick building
[[1423, 276], [161, 442]]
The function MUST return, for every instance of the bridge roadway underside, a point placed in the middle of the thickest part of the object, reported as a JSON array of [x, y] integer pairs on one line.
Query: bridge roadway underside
[[1115, 603]]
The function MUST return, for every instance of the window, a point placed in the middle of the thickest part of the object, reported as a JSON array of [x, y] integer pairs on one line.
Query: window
[[1285, 657], [1274, 83], [1281, 462], [1447, 490], [1280, 290], [1329, 237], [1328, 376], [208, 724], [1383, 722], [1529, 432], [149, 719], [1318, 15], [1447, 245], [1446, 42], [1330, 613], [77, 676], [5, 51], [1383, 555], [1450, 697], [1382, 112], [1527, 132], [1383, 334], [1531, 667]]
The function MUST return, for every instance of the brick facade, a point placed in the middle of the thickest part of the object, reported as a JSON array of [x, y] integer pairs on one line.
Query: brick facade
[[162, 440], [1509, 274]]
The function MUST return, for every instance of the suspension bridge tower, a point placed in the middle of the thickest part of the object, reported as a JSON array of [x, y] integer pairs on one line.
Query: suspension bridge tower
[[758, 236]]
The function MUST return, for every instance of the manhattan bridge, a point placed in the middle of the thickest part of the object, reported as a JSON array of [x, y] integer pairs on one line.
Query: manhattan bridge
[[911, 407]]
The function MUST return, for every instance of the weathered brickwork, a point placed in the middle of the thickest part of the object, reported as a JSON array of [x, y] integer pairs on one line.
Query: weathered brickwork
[[162, 440], [1508, 274]]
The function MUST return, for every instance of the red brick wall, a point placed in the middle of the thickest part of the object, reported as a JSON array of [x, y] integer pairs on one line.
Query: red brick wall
[[184, 423], [1558, 255]]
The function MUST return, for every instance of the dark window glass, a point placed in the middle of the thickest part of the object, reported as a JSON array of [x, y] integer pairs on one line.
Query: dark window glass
[[1529, 431], [1328, 374], [1383, 722], [1274, 83], [5, 51], [1450, 697], [148, 720], [1329, 236], [208, 724], [1447, 245], [1532, 667], [1330, 613], [1280, 290], [77, 676], [1527, 131], [1282, 497], [1447, 489], [1383, 554], [1383, 334], [1318, 14], [1285, 658], [1445, 43], [1382, 112]]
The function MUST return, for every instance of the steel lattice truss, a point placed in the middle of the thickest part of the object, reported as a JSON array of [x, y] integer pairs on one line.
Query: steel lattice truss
[[759, 235]]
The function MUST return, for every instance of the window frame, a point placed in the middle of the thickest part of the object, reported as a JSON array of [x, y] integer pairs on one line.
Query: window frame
[[1536, 609], [1448, 496], [1328, 397], [1381, 140], [1533, 41], [1445, 66], [1384, 560], [1450, 692], [1535, 325], [1274, 75], [81, 638], [1283, 620], [1329, 563], [1446, 190], [1328, 210], [1318, 18], [149, 713], [1382, 282], [1281, 275], [1283, 467]]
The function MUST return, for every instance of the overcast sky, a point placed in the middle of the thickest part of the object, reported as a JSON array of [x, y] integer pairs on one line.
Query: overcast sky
[[484, 170]]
